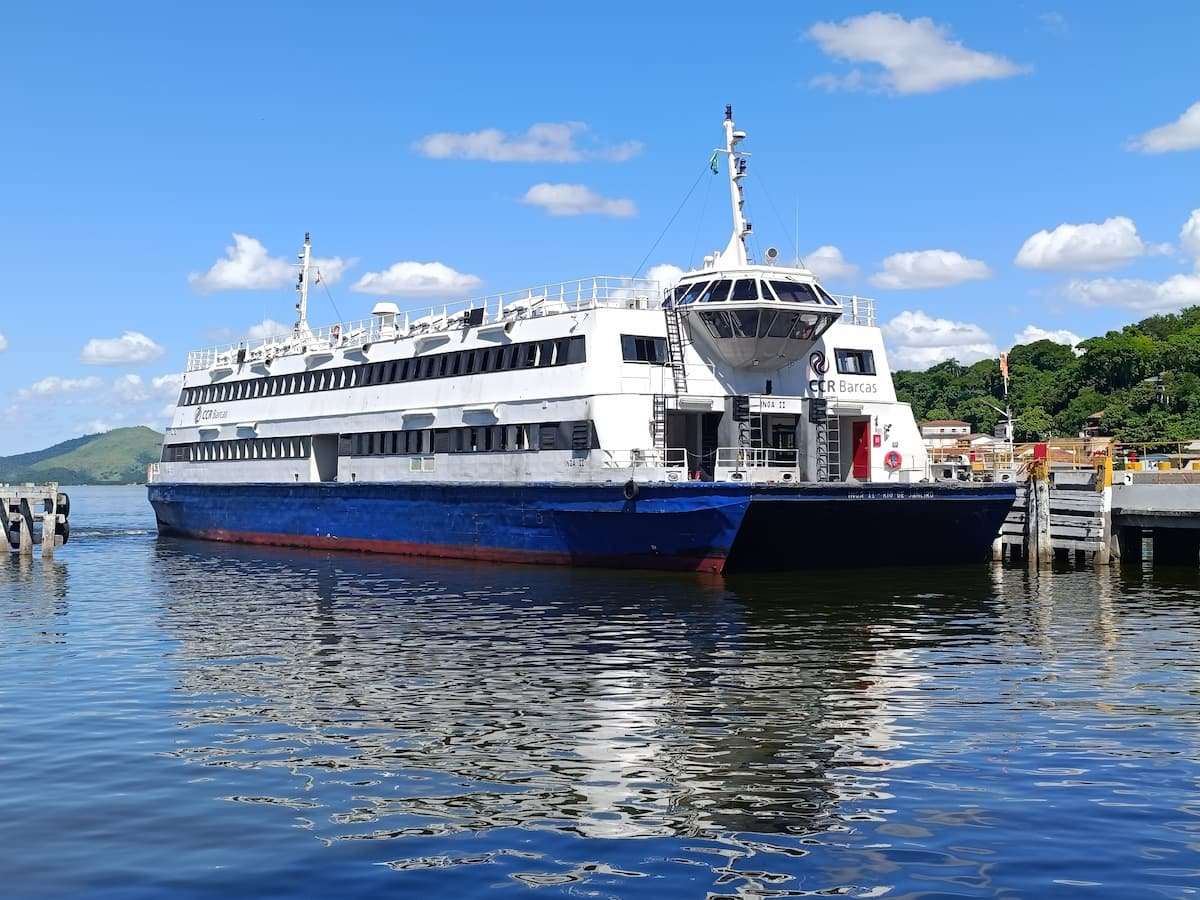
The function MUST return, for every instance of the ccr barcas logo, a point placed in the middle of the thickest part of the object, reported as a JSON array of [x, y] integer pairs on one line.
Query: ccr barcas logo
[[207, 415], [818, 363]]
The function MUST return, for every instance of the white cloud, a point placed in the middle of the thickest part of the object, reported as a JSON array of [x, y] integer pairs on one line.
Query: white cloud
[[665, 274], [543, 142], [131, 348], [167, 385], [3, 342], [267, 328], [1189, 237], [1138, 294], [917, 57], [1182, 134], [129, 389], [1032, 333], [918, 341], [1091, 247], [576, 200], [415, 279], [928, 269], [827, 263], [247, 266], [53, 386], [95, 426]]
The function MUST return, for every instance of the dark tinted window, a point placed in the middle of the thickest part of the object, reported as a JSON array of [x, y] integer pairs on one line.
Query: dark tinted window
[[718, 290], [744, 289], [795, 292], [635, 348], [855, 362]]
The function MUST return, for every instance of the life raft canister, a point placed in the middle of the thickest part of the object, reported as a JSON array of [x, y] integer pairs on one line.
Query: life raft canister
[[893, 459]]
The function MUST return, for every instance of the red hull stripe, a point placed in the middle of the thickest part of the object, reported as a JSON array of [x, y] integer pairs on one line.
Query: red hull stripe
[[448, 551]]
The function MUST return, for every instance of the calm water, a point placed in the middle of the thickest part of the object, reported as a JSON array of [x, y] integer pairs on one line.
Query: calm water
[[182, 719]]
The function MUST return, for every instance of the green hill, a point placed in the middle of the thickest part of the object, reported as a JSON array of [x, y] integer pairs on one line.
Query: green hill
[[114, 457]]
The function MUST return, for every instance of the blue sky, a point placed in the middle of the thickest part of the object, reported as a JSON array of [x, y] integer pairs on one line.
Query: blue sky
[[990, 173]]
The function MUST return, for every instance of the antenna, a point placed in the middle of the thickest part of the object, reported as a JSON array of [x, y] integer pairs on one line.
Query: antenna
[[302, 286], [735, 250]]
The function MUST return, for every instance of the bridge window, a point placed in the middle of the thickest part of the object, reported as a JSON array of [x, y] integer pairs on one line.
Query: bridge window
[[795, 292], [744, 289], [717, 291], [744, 322], [717, 324], [855, 362]]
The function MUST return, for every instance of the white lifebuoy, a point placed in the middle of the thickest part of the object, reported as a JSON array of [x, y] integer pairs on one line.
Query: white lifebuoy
[[893, 459]]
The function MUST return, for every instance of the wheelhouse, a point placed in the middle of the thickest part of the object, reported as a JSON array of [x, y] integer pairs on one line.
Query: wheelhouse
[[755, 319]]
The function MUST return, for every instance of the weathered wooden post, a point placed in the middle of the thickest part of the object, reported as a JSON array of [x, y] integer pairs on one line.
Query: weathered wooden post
[[1037, 516]]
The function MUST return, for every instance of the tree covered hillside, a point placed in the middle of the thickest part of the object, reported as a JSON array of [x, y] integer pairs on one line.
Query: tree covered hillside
[[1145, 378], [114, 457]]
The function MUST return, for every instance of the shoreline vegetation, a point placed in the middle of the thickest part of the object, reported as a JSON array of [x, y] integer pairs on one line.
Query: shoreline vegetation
[[119, 456], [1138, 385]]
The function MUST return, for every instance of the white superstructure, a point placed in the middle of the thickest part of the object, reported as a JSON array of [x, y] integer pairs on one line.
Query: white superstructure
[[741, 371]]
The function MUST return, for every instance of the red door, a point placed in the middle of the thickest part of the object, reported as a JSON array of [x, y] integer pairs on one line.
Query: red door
[[862, 450]]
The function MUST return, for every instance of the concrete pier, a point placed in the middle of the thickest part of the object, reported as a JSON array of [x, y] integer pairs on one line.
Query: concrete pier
[[35, 515], [1161, 505]]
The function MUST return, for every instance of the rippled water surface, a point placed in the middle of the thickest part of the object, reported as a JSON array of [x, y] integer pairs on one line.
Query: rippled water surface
[[186, 719]]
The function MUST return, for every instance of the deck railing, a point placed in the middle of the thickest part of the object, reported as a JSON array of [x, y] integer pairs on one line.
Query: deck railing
[[543, 300]]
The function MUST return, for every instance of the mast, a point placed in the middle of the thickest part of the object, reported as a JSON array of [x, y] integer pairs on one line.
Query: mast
[[302, 287], [735, 252]]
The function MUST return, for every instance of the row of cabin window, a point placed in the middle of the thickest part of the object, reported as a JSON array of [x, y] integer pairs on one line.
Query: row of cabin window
[[533, 354], [579, 435], [248, 448], [748, 289]]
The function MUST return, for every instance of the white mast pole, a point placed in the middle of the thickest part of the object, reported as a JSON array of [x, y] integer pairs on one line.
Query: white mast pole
[[302, 287], [735, 252]]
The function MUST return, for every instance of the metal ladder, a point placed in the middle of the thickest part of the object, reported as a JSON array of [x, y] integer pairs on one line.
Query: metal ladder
[[675, 348], [833, 442], [756, 431], [660, 421]]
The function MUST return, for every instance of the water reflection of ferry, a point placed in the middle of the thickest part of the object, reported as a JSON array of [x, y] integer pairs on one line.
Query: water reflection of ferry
[[744, 418], [469, 697]]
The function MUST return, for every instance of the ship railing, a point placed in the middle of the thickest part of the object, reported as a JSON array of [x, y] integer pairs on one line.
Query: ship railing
[[542, 300], [856, 310], [646, 458], [756, 464]]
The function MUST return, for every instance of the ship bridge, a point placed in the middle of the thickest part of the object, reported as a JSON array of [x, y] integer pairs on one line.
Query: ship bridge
[[750, 314], [756, 316]]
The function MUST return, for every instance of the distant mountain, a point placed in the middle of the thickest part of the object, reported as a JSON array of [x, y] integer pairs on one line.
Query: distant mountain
[[114, 457]]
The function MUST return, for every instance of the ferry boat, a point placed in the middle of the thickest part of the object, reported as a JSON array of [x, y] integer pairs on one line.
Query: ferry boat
[[743, 418]]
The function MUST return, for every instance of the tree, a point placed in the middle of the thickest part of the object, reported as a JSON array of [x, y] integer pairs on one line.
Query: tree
[[1034, 424]]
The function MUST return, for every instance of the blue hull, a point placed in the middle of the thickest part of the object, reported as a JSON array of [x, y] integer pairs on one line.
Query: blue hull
[[695, 526]]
